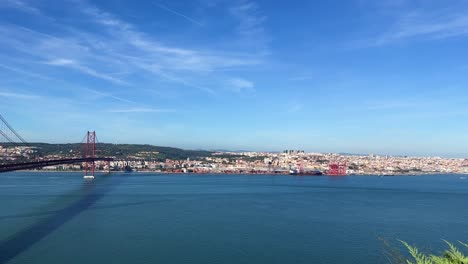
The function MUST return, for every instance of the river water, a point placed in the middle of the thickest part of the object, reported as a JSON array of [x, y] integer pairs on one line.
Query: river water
[[153, 218]]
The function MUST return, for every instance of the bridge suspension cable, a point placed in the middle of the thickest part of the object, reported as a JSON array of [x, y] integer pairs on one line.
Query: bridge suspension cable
[[8, 133], [88, 157]]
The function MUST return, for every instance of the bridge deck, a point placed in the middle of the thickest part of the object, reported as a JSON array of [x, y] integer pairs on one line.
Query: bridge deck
[[44, 163]]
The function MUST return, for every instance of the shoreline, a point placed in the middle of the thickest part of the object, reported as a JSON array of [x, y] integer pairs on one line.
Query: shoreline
[[243, 173]]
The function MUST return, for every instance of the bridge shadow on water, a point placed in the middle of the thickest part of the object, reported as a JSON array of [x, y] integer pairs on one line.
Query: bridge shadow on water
[[50, 212], [87, 196]]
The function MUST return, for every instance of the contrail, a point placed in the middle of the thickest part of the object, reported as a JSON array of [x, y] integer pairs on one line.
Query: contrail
[[179, 14]]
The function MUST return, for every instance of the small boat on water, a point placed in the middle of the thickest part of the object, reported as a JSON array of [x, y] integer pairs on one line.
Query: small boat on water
[[88, 177], [306, 173]]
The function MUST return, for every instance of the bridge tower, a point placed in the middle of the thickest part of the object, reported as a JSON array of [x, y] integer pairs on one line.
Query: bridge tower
[[90, 149]]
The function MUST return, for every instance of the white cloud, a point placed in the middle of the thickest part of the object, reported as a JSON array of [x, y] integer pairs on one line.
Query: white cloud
[[303, 77], [17, 95], [84, 69], [424, 25], [240, 85], [61, 62], [140, 110], [168, 57], [108, 95], [97, 74], [20, 5], [27, 73], [251, 22], [251, 25], [119, 47], [295, 108], [405, 104]]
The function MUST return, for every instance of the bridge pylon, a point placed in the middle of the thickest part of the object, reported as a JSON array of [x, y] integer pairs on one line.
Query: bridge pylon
[[90, 152]]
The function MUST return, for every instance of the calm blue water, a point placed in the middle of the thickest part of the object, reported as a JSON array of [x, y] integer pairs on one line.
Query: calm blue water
[[149, 218]]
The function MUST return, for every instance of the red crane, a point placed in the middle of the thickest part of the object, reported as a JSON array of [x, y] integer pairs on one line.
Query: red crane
[[337, 168]]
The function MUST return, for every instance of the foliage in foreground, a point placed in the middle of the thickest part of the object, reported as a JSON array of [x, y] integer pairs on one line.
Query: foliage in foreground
[[451, 256]]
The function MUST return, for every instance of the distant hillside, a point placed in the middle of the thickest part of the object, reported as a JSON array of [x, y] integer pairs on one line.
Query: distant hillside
[[227, 150], [118, 151]]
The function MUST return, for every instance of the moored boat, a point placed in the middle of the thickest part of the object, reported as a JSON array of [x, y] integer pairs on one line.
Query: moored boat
[[305, 173]]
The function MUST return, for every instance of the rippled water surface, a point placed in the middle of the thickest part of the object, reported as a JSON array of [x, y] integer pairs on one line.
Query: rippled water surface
[[150, 218]]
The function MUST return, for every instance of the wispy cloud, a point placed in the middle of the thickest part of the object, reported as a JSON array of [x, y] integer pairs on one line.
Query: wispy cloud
[[172, 61], [404, 104], [240, 85], [251, 23], [108, 95], [303, 77], [419, 24], [60, 62], [178, 14], [15, 95], [23, 72], [140, 110], [170, 77], [117, 46], [20, 5], [169, 57], [75, 65], [295, 108]]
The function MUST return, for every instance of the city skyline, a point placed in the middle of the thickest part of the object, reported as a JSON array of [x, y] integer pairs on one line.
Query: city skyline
[[383, 77]]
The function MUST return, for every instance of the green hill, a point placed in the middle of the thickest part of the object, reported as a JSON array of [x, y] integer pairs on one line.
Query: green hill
[[116, 150]]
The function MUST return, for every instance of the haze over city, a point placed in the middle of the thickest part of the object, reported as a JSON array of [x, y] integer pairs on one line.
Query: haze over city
[[385, 77]]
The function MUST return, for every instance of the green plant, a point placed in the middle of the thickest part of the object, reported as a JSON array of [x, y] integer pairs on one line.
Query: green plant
[[451, 256]]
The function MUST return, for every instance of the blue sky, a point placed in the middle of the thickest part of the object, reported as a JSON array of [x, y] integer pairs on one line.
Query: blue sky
[[360, 76]]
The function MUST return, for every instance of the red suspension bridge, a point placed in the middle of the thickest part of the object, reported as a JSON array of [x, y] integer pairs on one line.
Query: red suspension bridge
[[10, 136], [88, 157]]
